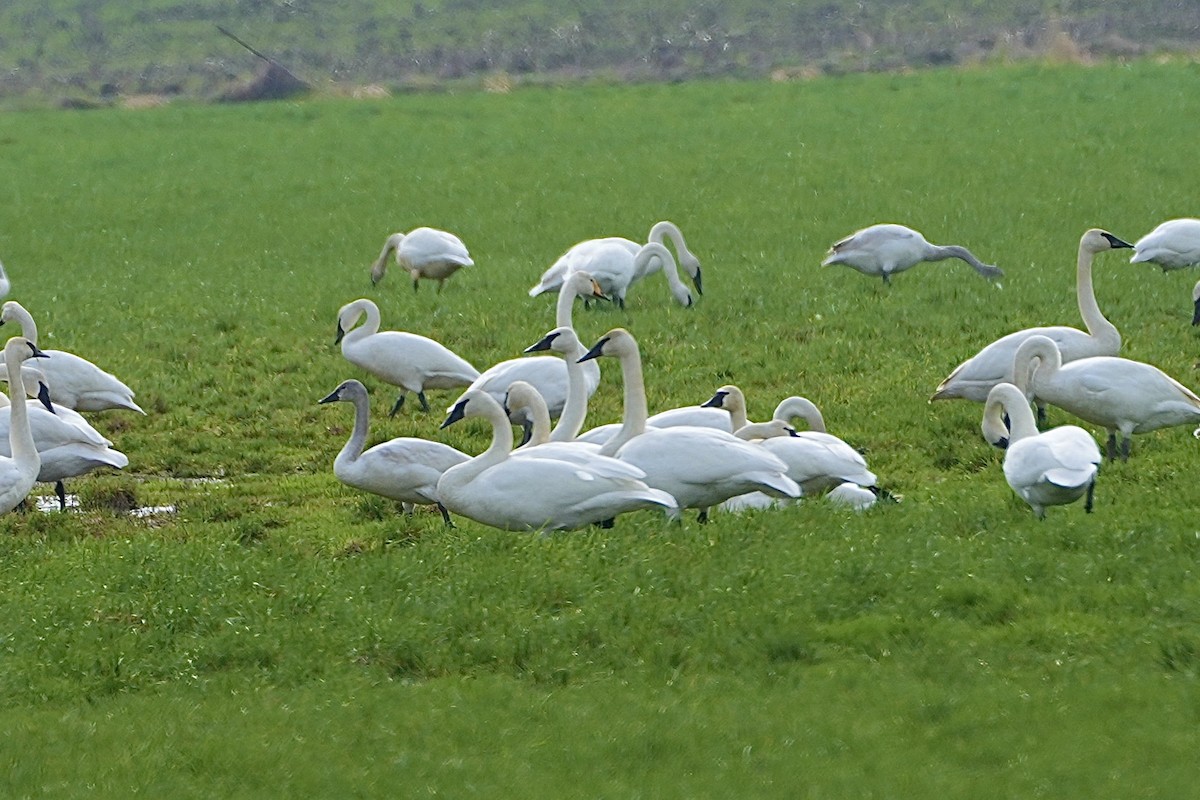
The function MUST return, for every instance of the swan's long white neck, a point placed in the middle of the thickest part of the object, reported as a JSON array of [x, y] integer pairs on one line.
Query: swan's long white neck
[[570, 421], [1006, 398], [370, 325], [735, 403], [792, 407], [1037, 359], [669, 268], [20, 437], [565, 305], [502, 437], [942, 252], [634, 421], [358, 437], [535, 407], [1098, 326], [669, 230], [23, 318]]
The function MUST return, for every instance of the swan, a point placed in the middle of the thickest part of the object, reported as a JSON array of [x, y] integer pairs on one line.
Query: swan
[[816, 459], [1123, 395], [424, 253], [887, 249], [1045, 469], [74, 382], [405, 468], [564, 341], [552, 278], [5, 285], [66, 443], [531, 493], [547, 374], [1175, 244], [19, 471], [974, 378], [699, 467], [412, 362]]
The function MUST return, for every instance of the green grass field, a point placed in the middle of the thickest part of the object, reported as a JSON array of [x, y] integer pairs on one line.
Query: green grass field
[[283, 635]]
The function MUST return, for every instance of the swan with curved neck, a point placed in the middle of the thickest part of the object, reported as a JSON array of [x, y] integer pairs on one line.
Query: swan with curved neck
[[1044, 469], [699, 467], [75, 382], [887, 249], [534, 493], [424, 253], [1123, 395], [407, 360], [406, 469], [18, 472], [974, 378]]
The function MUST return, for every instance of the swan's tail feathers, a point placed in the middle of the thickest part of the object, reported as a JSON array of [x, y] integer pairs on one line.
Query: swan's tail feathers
[[537, 289], [776, 485]]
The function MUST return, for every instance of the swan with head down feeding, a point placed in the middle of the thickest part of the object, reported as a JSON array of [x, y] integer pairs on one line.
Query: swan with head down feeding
[[887, 249], [974, 378], [699, 467], [406, 468], [1052, 468], [424, 253], [532, 493], [407, 360], [1120, 394]]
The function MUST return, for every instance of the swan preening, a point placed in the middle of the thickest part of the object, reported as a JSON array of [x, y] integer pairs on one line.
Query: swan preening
[[423, 253], [19, 471], [1045, 469], [974, 378], [618, 263], [1122, 395], [406, 469], [886, 249], [699, 467], [75, 382], [532, 493], [412, 362]]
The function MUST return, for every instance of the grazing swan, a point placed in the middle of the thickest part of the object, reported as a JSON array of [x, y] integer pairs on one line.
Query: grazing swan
[[547, 374], [424, 253], [1175, 244], [974, 378], [18, 472], [66, 443], [552, 278], [699, 467], [887, 249], [1045, 469], [405, 469], [1123, 395], [817, 460], [408, 360], [74, 382], [532, 493]]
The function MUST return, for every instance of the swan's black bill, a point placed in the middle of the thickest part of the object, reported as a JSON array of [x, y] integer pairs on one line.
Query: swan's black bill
[[35, 352], [543, 343], [340, 333], [456, 413], [332, 397], [44, 395], [698, 283], [1116, 243], [716, 401], [596, 351]]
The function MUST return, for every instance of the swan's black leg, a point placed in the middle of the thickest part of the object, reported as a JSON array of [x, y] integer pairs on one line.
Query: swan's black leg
[[399, 405], [61, 491], [1126, 446], [1091, 495], [424, 402], [703, 518], [608, 523], [416, 284], [445, 515], [1110, 446]]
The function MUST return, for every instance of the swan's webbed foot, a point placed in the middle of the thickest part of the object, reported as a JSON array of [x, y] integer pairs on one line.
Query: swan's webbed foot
[[423, 401], [399, 405], [446, 516], [1091, 496]]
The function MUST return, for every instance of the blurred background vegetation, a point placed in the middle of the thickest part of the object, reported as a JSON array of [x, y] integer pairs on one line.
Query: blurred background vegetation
[[81, 52]]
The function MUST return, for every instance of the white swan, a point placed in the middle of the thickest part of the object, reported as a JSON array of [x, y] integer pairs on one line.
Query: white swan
[[1045, 469], [887, 249], [5, 285], [534, 493], [1175, 244], [565, 342], [699, 467], [424, 253], [19, 472], [66, 443], [1123, 395], [816, 459], [974, 378], [553, 277], [405, 469], [74, 382], [547, 374], [412, 362]]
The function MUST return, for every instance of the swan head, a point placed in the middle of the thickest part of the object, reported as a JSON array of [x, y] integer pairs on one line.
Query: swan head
[[616, 342], [1097, 241], [730, 398], [458, 411], [765, 430], [560, 340], [347, 390], [349, 314], [717, 400], [584, 285], [682, 295], [18, 349]]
